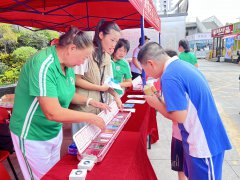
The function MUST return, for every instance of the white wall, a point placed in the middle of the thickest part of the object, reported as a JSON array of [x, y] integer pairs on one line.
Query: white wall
[[173, 30], [133, 36]]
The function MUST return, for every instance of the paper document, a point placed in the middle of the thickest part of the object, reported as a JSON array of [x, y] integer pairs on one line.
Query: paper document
[[137, 81], [130, 110], [135, 96], [109, 81], [134, 101]]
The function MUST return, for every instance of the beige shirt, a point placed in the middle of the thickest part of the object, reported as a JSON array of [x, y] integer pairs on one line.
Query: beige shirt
[[93, 74]]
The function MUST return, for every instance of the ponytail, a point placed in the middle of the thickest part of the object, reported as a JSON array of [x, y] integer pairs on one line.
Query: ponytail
[[104, 27], [185, 45], [74, 36]]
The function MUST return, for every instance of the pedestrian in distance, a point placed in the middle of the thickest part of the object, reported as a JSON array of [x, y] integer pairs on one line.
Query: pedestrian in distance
[[136, 68], [185, 54]]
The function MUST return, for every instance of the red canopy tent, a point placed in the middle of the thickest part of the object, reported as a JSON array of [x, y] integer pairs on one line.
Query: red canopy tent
[[84, 14]]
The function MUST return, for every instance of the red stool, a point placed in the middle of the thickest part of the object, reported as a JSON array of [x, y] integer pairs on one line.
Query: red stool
[[5, 155], [4, 115], [4, 173]]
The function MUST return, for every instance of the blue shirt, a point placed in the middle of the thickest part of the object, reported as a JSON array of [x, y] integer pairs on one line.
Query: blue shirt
[[185, 88]]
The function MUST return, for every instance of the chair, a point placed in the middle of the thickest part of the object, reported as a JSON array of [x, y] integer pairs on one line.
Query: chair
[[4, 173], [4, 115], [5, 155], [6, 146]]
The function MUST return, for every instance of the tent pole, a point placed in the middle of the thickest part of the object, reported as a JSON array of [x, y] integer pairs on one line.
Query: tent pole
[[159, 41], [159, 38], [142, 42]]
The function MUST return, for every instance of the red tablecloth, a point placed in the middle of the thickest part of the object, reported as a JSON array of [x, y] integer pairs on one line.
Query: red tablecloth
[[127, 159], [144, 120]]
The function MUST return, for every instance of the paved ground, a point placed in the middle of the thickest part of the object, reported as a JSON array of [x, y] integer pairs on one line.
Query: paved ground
[[223, 80]]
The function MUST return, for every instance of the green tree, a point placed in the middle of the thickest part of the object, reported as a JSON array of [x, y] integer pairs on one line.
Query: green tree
[[22, 54], [7, 59], [49, 34], [18, 58], [8, 38], [3, 68], [33, 39], [10, 76]]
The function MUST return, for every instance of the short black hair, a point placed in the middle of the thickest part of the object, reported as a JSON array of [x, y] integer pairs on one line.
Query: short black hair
[[145, 38], [151, 50], [184, 43], [122, 43], [170, 52]]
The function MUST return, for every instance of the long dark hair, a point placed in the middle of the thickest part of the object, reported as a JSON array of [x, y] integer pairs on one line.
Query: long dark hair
[[184, 43], [74, 36], [104, 27]]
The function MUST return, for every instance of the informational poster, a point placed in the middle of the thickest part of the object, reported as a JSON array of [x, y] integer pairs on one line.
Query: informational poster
[[229, 47]]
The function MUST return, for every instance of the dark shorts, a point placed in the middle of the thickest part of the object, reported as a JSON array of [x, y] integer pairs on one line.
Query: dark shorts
[[176, 155]]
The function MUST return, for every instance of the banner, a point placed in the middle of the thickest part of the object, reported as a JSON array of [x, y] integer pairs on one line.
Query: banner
[[229, 47], [222, 31]]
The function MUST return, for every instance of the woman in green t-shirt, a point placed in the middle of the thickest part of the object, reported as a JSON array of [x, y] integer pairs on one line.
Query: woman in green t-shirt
[[45, 89], [121, 69], [185, 54]]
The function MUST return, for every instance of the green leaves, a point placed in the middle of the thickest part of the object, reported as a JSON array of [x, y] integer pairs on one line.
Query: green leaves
[[32, 39], [22, 54], [15, 62], [17, 45]]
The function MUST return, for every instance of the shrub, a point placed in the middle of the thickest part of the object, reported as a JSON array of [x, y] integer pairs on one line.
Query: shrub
[[7, 59], [35, 40], [3, 68], [20, 55], [9, 77], [18, 58]]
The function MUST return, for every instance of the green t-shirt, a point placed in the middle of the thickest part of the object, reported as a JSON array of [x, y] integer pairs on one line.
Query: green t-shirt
[[188, 57], [121, 71], [40, 76]]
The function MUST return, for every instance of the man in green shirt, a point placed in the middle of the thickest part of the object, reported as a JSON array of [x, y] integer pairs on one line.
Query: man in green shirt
[[121, 69], [45, 89]]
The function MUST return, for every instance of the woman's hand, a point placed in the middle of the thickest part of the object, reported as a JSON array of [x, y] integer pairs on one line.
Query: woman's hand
[[119, 103], [103, 88], [100, 105], [99, 122]]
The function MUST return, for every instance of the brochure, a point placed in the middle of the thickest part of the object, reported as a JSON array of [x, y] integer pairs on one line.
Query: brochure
[[135, 101], [126, 105]]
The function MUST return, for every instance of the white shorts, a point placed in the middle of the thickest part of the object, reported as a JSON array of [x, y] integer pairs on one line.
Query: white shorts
[[36, 158]]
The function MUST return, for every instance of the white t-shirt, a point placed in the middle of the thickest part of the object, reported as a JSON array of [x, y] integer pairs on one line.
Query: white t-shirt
[[81, 69], [176, 131], [133, 67]]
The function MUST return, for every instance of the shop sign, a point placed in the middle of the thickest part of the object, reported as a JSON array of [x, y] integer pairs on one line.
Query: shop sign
[[203, 36], [236, 28], [222, 31]]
